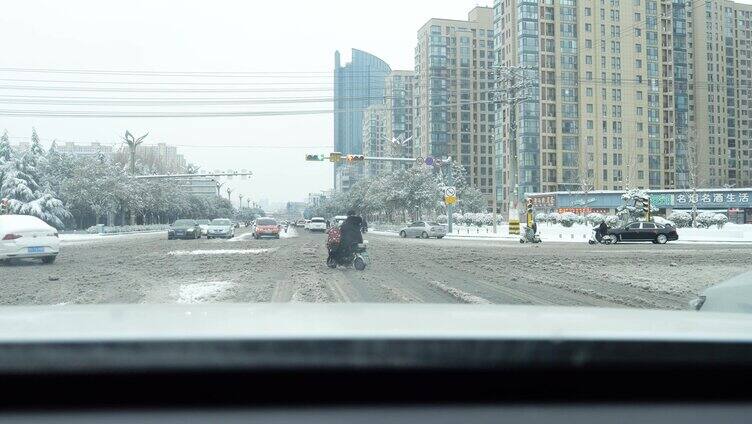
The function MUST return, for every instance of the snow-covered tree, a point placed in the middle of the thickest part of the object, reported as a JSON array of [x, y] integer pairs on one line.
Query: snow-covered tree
[[26, 196], [612, 221], [5, 151], [720, 220], [632, 209]]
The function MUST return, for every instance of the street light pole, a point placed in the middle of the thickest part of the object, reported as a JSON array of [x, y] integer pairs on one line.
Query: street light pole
[[229, 193], [241, 200]]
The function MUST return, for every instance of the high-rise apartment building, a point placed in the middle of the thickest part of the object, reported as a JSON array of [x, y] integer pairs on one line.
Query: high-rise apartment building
[[374, 138], [454, 115], [357, 85], [398, 97], [625, 91]]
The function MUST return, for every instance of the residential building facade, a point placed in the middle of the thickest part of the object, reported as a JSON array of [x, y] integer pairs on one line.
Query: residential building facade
[[628, 93], [357, 85], [454, 114], [398, 97], [375, 139]]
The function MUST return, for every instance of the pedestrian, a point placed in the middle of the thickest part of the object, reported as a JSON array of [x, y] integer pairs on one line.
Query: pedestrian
[[602, 230]]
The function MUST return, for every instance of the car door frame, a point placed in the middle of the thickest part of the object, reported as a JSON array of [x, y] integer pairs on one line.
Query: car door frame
[[415, 229], [648, 234], [629, 234]]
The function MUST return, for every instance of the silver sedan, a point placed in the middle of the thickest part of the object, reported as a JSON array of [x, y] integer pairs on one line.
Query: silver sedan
[[423, 229]]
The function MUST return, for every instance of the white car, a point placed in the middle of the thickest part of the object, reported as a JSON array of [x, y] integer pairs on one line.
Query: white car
[[317, 224], [23, 236], [223, 228], [338, 220]]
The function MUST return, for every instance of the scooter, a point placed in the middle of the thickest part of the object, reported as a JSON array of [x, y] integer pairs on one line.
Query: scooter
[[358, 257], [598, 238]]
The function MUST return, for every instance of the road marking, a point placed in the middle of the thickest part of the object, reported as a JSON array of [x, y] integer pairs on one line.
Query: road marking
[[221, 252], [202, 292], [459, 294]]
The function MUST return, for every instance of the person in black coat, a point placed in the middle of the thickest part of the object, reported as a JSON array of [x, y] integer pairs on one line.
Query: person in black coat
[[602, 230], [350, 234]]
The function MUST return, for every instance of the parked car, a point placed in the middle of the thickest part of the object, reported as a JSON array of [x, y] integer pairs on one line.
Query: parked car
[[733, 295], [23, 236], [204, 224], [266, 227], [423, 229], [645, 231], [222, 228], [317, 224], [184, 229]]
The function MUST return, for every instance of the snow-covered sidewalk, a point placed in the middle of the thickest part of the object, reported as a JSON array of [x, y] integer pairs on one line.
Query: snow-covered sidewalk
[[579, 233], [87, 238]]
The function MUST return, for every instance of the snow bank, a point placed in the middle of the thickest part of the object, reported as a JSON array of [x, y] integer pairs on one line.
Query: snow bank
[[221, 252], [202, 292], [459, 294], [87, 238]]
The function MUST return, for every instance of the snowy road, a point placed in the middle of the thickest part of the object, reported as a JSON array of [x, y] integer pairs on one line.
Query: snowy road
[[151, 269]]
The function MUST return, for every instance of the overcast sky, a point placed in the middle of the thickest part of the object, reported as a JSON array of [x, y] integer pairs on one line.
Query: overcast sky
[[206, 36], [201, 36]]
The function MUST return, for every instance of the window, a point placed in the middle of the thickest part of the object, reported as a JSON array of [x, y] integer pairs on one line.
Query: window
[[638, 48]]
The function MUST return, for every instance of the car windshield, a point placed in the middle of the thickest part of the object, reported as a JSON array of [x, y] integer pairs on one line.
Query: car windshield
[[499, 155]]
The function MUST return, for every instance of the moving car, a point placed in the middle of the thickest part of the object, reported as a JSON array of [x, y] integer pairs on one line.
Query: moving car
[[204, 224], [222, 227], [645, 231], [423, 229], [184, 229], [317, 224], [23, 236], [266, 227]]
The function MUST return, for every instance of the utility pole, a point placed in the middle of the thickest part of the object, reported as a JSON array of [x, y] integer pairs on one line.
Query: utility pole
[[513, 84]]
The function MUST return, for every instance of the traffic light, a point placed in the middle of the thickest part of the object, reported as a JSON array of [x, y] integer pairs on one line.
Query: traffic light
[[355, 158], [335, 156], [529, 211], [645, 202], [315, 158]]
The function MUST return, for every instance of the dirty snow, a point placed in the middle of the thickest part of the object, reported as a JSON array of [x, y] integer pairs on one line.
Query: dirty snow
[[221, 252], [459, 294], [202, 292]]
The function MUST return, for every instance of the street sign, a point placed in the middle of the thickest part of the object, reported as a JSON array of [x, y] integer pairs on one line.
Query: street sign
[[419, 161], [450, 192], [437, 162], [335, 156], [429, 160], [450, 200]]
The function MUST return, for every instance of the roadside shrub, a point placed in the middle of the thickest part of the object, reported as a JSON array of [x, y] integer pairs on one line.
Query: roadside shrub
[[441, 219], [128, 228], [554, 218], [595, 218], [457, 218], [681, 219], [568, 219], [612, 221], [705, 219], [720, 220], [541, 217]]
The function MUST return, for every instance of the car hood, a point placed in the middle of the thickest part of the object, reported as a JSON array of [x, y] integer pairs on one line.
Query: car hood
[[181, 227], [362, 321]]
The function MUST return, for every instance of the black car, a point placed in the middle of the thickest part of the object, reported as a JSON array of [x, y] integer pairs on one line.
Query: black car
[[184, 229], [645, 231]]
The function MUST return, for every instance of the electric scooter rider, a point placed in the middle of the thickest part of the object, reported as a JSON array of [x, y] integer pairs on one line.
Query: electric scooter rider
[[350, 234]]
